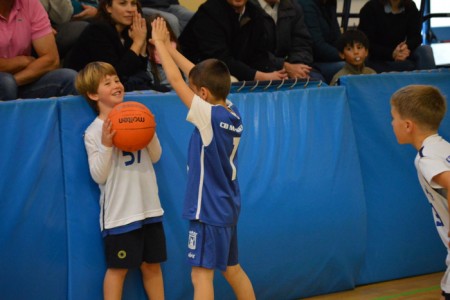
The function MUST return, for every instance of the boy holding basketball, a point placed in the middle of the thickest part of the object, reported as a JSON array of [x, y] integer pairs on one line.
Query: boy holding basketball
[[130, 210], [417, 111], [212, 201]]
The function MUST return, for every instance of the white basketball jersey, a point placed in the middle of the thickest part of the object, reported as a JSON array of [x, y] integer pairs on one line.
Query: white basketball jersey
[[127, 180], [433, 159]]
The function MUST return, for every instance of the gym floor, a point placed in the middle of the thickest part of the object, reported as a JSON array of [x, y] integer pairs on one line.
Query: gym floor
[[425, 287]]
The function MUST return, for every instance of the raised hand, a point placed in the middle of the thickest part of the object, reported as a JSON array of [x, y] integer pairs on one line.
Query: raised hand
[[159, 31], [138, 33], [138, 29]]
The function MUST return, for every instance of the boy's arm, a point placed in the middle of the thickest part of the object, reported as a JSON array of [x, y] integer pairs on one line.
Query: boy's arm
[[154, 149], [160, 39], [443, 179], [99, 158], [48, 60], [182, 62]]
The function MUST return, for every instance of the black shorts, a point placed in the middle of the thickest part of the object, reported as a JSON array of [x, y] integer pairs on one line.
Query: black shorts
[[128, 250]]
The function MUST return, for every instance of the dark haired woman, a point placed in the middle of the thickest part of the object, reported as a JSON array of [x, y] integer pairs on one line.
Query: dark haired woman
[[118, 36]]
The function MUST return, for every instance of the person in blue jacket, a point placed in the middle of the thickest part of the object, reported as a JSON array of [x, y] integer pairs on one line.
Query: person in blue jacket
[[321, 20]]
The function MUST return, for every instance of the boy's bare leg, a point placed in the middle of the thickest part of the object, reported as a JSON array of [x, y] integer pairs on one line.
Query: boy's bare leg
[[113, 283], [202, 280], [153, 281], [240, 282]]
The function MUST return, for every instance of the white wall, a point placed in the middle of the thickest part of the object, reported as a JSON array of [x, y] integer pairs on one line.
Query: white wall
[[191, 4]]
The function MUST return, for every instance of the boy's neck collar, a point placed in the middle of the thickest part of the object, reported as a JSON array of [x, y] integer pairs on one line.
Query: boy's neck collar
[[218, 102], [421, 139], [354, 68]]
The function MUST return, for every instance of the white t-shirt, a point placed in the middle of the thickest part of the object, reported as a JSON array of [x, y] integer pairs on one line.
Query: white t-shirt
[[433, 159], [127, 181]]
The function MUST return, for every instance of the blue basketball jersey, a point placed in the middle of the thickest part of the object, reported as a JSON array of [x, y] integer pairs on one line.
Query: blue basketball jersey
[[212, 194]]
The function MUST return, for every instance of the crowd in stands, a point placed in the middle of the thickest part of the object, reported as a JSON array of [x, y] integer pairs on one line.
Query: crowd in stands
[[46, 42]]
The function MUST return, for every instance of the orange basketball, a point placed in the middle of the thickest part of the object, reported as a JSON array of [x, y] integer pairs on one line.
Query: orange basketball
[[134, 124]]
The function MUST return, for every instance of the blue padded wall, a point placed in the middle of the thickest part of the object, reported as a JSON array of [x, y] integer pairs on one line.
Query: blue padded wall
[[402, 238], [302, 228], [282, 129], [33, 260]]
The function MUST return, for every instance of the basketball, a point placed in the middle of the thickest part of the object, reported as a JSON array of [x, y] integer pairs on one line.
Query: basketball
[[134, 124]]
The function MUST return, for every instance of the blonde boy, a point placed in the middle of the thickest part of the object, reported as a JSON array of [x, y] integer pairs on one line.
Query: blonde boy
[[417, 111], [130, 210], [212, 201]]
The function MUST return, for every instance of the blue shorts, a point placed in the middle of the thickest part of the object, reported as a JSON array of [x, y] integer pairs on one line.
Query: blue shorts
[[212, 247]]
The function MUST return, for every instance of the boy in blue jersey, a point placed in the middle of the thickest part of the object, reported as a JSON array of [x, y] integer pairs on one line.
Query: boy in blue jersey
[[417, 111], [212, 202]]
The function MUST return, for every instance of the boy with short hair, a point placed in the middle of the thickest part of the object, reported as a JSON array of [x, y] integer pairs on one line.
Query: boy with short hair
[[212, 202], [417, 111], [130, 210], [353, 47]]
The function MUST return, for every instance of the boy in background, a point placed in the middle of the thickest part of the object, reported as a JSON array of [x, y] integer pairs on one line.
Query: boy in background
[[213, 201], [417, 111], [353, 47], [130, 210]]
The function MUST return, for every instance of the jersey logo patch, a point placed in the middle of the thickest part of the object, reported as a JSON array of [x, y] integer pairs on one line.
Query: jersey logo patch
[[231, 127], [122, 254], [192, 243]]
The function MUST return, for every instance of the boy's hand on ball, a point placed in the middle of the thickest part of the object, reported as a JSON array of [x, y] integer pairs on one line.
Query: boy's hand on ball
[[107, 133]]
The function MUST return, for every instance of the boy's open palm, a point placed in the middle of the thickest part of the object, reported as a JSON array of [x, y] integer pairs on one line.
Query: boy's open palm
[[159, 31], [170, 57]]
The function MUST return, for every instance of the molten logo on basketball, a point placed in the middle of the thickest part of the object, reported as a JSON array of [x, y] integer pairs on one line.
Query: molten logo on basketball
[[134, 125], [131, 119]]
